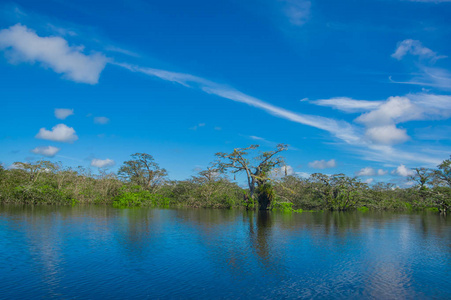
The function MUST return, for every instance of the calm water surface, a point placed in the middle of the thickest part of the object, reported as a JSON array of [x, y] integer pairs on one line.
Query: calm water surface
[[104, 253]]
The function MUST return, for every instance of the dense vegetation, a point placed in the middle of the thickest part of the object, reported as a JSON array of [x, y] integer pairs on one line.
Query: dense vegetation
[[141, 182]]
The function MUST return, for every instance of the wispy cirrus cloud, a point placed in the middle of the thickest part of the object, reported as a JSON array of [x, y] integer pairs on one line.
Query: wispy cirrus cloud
[[427, 75], [340, 129], [375, 144], [416, 48], [22, 44], [364, 140], [101, 120], [348, 104]]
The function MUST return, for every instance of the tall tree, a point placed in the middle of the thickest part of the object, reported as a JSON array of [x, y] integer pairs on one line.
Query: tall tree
[[443, 174], [143, 170], [35, 169], [257, 169]]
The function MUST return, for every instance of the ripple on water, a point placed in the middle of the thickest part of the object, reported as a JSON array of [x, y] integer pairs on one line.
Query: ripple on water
[[101, 252]]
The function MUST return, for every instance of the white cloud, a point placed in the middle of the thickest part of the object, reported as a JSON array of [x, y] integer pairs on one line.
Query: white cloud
[[101, 120], [303, 174], [414, 47], [369, 180], [22, 44], [350, 134], [381, 172], [394, 110], [63, 113], [368, 171], [387, 135], [426, 75], [48, 151], [401, 170], [121, 50], [59, 133], [340, 129], [102, 163], [323, 164], [348, 105], [297, 11], [381, 122], [282, 171]]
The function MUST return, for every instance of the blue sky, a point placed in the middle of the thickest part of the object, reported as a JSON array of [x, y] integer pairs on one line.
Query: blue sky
[[360, 87]]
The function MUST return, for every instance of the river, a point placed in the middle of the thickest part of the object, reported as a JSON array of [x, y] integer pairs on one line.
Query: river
[[99, 252]]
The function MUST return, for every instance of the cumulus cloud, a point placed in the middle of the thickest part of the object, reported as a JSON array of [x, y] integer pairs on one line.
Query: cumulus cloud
[[369, 180], [394, 110], [63, 113], [323, 164], [48, 151], [102, 163], [22, 44], [381, 172], [388, 135], [415, 48], [401, 170], [101, 120], [59, 133], [368, 171], [381, 122]]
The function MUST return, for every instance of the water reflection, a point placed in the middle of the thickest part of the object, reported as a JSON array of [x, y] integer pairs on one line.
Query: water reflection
[[124, 253]]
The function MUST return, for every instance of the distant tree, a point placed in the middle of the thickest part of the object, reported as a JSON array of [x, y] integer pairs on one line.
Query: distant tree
[[257, 169], [443, 174], [210, 174], [422, 177], [143, 170], [34, 170], [442, 186]]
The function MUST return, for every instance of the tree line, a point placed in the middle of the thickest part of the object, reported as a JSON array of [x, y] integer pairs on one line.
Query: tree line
[[140, 181]]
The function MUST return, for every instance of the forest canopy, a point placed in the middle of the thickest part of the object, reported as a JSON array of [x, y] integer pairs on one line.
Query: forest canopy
[[140, 181]]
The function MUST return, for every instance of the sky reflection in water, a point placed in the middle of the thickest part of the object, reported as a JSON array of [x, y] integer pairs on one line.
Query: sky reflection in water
[[102, 252]]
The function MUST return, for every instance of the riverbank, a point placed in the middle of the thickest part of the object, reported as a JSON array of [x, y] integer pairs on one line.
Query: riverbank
[[52, 184]]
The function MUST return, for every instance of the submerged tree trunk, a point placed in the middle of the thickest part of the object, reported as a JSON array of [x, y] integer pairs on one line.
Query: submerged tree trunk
[[265, 195]]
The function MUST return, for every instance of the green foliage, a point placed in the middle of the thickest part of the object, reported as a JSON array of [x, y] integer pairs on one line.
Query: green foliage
[[363, 209], [265, 196], [286, 207], [143, 170], [137, 196], [45, 182]]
